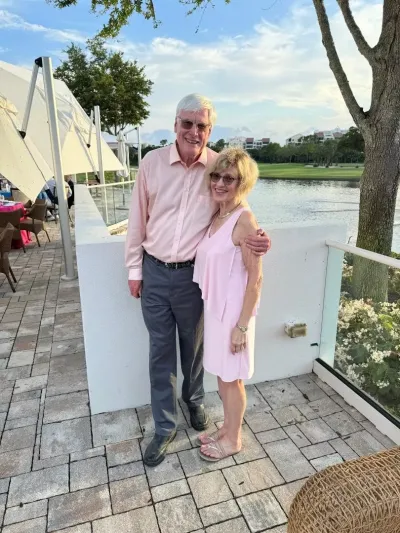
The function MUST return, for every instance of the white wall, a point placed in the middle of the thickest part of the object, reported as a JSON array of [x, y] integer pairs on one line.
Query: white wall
[[116, 341]]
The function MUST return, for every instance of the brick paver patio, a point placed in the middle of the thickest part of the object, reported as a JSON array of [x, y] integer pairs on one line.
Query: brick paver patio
[[62, 469]]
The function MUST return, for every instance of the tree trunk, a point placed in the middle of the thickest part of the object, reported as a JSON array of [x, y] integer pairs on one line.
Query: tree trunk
[[378, 193], [380, 180]]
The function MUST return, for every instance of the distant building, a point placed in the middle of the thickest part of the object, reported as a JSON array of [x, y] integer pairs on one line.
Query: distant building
[[237, 142], [260, 143], [295, 139], [249, 143], [320, 136]]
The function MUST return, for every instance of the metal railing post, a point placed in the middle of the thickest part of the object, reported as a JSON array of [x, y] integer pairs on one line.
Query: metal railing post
[[100, 160]]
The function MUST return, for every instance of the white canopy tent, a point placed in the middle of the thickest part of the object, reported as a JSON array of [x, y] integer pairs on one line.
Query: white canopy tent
[[74, 124], [20, 161]]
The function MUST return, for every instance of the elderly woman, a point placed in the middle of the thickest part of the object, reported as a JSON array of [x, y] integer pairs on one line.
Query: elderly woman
[[230, 278]]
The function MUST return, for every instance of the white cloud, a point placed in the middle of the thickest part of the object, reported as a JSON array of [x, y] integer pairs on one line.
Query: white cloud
[[12, 21], [283, 64]]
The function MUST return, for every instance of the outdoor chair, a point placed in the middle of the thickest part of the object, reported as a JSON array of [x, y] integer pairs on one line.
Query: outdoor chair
[[38, 201], [14, 218], [359, 496], [6, 238], [35, 221]]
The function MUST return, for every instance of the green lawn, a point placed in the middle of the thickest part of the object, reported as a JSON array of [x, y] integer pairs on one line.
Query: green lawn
[[284, 171], [81, 178], [299, 171]]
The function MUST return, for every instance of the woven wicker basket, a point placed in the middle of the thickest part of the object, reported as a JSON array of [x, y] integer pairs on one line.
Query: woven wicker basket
[[359, 496]]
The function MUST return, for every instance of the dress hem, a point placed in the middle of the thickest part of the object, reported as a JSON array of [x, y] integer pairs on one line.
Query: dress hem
[[228, 380]]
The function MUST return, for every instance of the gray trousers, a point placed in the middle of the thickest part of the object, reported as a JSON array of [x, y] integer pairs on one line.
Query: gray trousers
[[171, 300]]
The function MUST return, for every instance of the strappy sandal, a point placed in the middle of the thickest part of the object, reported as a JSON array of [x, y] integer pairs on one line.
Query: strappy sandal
[[221, 453], [209, 438]]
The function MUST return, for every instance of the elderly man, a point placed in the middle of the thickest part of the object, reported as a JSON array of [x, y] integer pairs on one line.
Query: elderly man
[[170, 211]]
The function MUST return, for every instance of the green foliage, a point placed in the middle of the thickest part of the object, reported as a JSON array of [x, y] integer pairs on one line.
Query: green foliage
[[219, 145], [368, 340], [97, 76], [148, 148], [120, 11], [322, 153], [352, 140], [368, 348], [163, 142]]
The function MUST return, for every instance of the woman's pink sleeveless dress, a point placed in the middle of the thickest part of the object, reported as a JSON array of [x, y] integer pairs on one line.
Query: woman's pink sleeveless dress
[[221, 274]]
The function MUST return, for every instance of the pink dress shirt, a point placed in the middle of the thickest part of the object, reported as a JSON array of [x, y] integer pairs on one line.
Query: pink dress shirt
[[171, 209]]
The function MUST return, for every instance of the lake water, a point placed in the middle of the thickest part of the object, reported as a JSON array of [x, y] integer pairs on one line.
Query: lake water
[[282, 201]]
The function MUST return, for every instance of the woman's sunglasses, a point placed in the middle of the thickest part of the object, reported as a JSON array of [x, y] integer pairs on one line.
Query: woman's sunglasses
[[228, 180]]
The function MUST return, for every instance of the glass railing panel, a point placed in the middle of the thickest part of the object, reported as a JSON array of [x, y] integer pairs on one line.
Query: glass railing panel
[[113, 201], [361, 325]]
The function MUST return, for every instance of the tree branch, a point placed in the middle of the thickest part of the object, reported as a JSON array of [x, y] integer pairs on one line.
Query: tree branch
[[334, 62], [362, 45], [389, 25]]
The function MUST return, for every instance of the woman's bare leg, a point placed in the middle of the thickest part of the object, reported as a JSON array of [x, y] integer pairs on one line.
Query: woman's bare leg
[[221, 432], [234, 399]]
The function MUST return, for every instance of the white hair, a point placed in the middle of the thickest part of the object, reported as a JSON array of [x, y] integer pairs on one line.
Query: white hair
[[197, 102]]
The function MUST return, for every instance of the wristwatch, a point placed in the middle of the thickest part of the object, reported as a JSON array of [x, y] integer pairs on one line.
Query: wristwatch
[[243, 329]]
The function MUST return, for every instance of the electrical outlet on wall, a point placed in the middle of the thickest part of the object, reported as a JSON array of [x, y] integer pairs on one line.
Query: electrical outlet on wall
[[295, 329]]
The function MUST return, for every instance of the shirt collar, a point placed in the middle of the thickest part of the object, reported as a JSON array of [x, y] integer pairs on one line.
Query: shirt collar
[[174, 156]]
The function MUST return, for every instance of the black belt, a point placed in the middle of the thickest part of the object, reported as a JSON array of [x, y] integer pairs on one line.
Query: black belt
[[175, 266]]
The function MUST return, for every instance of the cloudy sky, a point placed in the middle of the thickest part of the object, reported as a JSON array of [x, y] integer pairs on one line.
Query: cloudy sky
[[264, 66]]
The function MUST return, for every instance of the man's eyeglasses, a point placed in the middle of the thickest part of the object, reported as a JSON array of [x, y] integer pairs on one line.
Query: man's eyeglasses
[[188, 125], [228, 180]]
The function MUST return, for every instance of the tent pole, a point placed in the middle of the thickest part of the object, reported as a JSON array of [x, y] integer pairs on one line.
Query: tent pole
[[31, 93], [58, 170], [100, 158]]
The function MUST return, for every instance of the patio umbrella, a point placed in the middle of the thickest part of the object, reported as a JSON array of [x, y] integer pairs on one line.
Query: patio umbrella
[[20, 160], [74, 124], [122, 155]]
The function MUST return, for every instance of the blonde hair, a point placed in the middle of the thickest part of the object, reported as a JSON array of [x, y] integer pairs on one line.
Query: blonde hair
[[245, 165], [197, 102]]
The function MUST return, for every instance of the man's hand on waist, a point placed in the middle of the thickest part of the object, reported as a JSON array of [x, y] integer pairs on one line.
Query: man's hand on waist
[[135, 287]]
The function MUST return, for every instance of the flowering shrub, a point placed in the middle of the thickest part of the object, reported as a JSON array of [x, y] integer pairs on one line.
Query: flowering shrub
[[368, 342]]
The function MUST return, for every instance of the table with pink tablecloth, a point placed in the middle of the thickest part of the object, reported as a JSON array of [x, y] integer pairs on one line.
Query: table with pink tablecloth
[[25, 235]]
